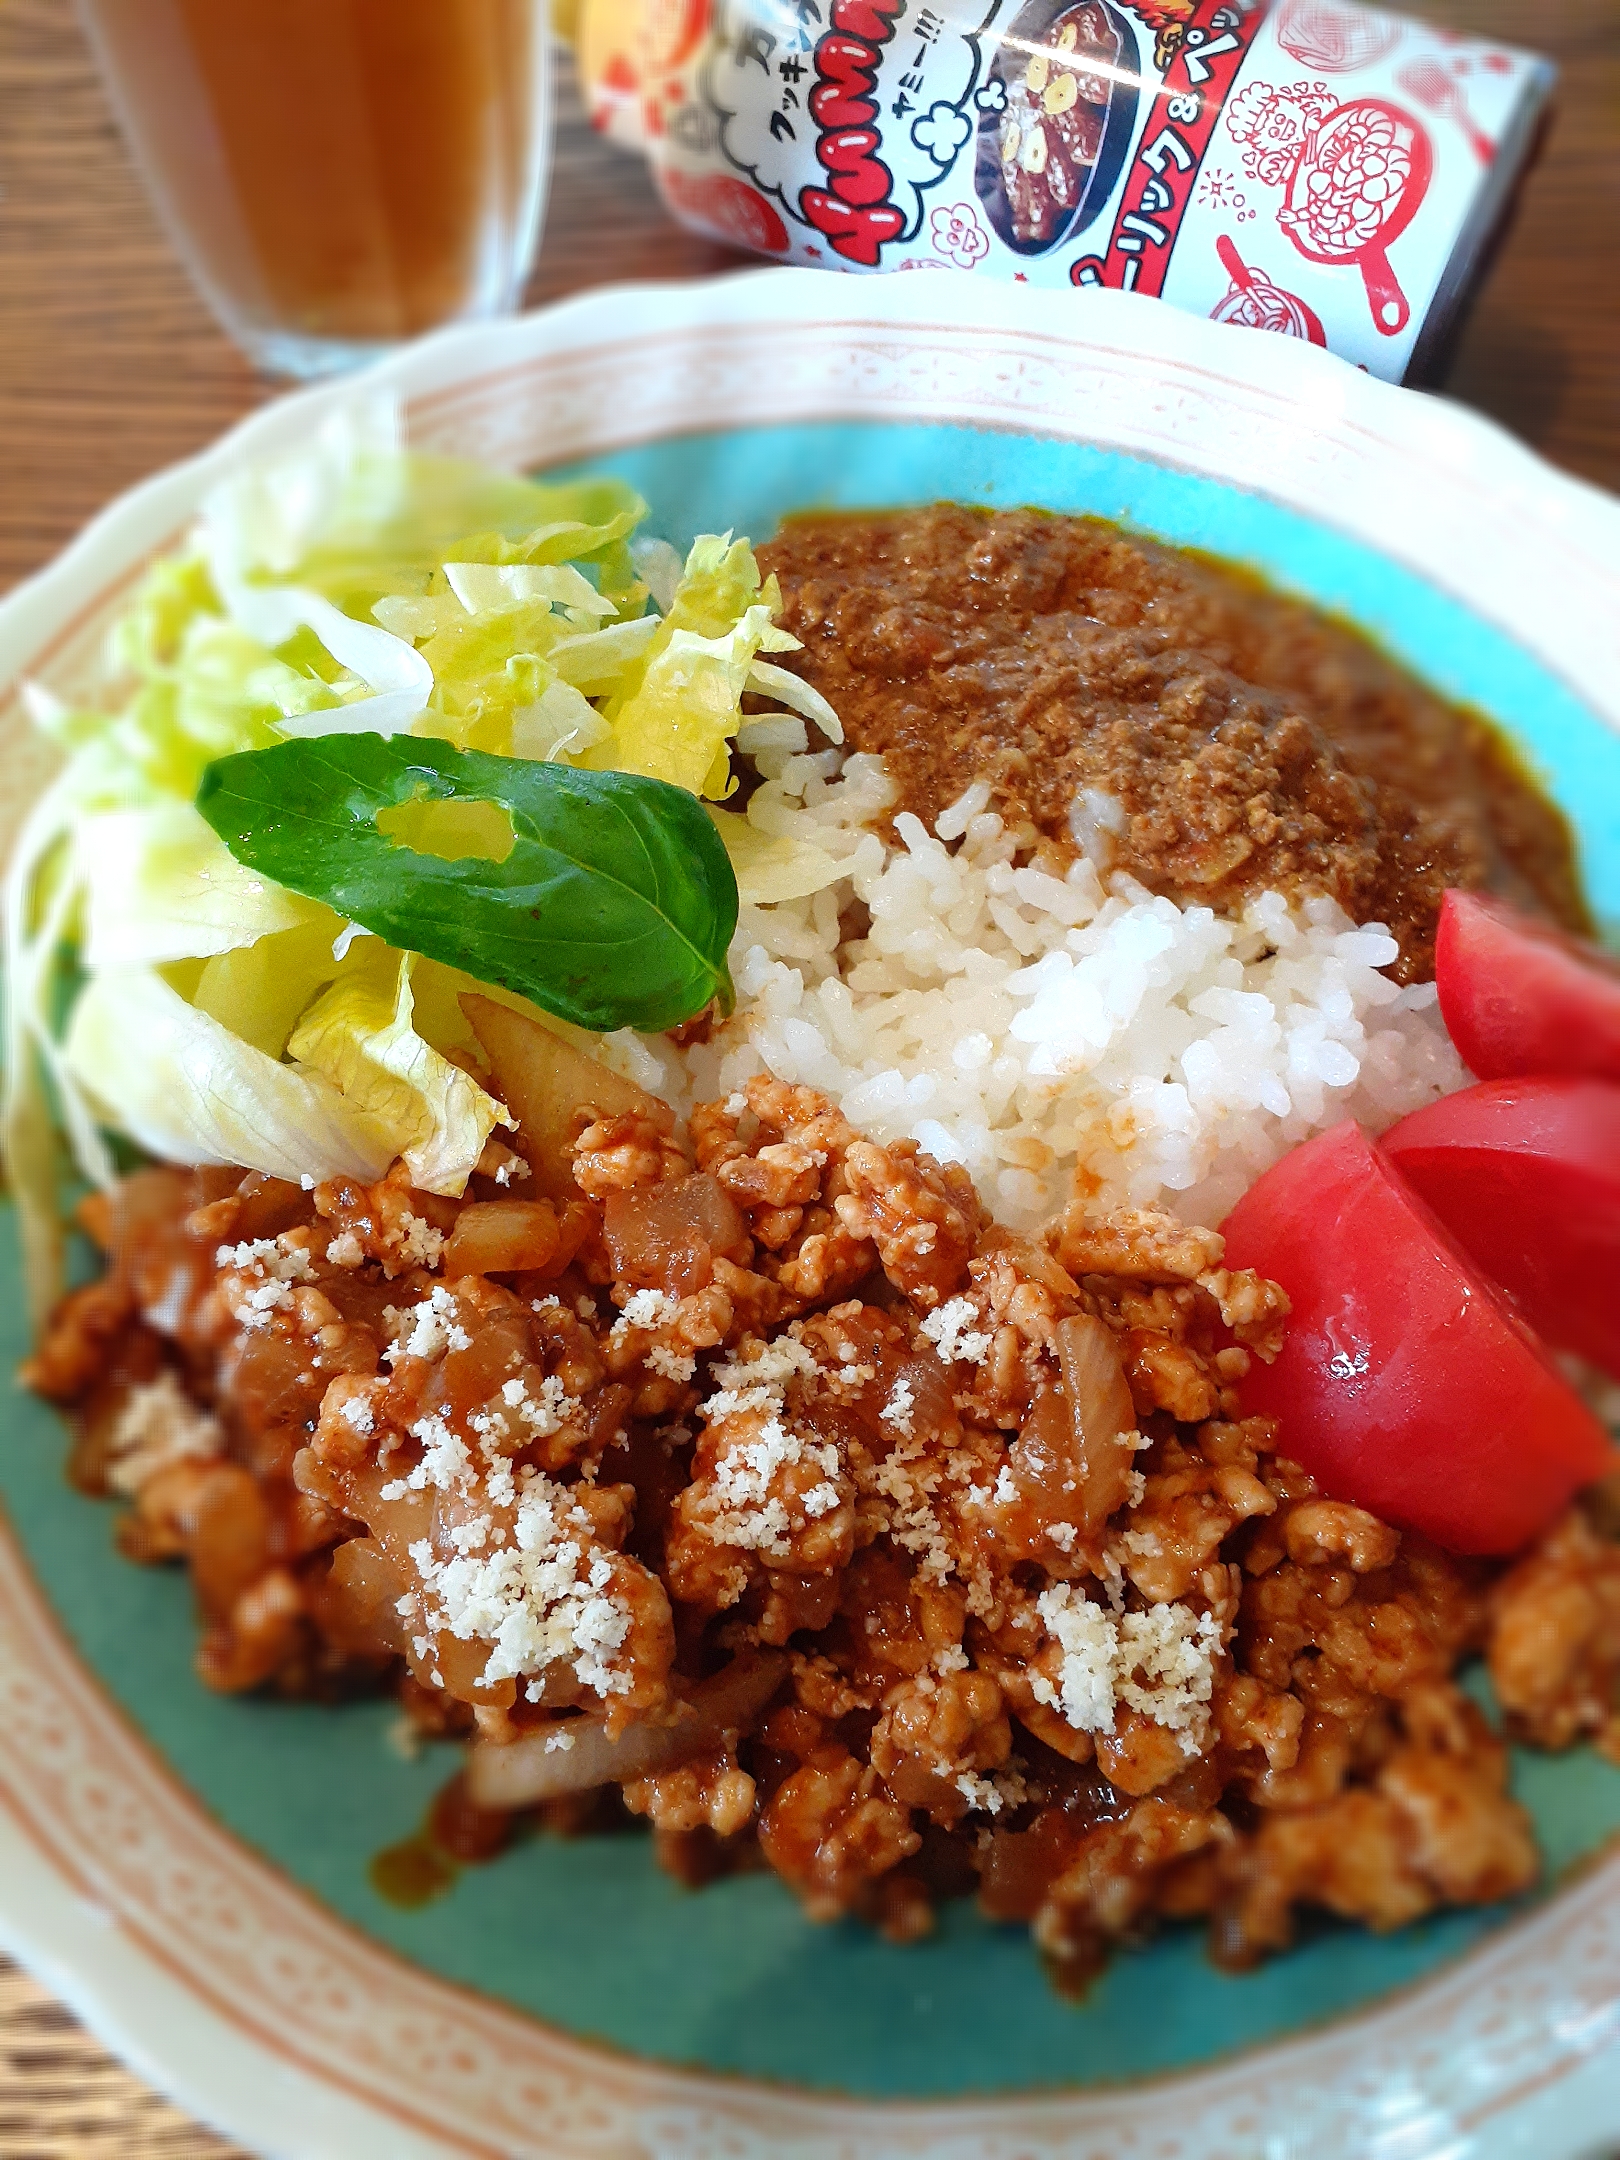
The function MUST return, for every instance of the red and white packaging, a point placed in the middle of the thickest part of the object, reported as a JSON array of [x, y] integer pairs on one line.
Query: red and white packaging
[[1315, 168]]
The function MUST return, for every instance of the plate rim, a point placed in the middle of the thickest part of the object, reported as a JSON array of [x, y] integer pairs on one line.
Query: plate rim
[[1035, 335]]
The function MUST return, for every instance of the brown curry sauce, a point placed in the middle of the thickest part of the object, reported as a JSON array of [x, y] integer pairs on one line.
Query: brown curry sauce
[[1251, 740]]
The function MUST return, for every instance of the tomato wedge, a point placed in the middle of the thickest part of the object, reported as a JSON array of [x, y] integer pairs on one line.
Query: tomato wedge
[[1525, 1174], [1522, 997], [1407, 1383]]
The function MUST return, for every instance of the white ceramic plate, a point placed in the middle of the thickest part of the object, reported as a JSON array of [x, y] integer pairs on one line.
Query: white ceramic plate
[[208, 1967]]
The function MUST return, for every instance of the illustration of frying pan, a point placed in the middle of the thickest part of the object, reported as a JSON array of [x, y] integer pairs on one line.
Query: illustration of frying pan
[[1358, 185]]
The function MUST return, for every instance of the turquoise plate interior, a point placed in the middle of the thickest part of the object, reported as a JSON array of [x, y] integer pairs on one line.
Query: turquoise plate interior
[[588, 1934]]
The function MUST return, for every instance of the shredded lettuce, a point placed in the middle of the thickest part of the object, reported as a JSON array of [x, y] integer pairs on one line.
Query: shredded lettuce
[[156, 986], [771, 867], [681, 701], [187, 1089], [158, 885], [361, 1038]]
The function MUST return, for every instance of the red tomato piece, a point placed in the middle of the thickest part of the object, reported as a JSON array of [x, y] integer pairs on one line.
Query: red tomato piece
[[1407, 1383], [1522, 997], [1525, 1174]]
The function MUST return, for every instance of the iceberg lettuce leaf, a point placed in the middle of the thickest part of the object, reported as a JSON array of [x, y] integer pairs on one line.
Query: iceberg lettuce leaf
[[349, 587], [196, 1093], [262, 991], [360, 1037], [160, 885], [681, 698], [771, 867]]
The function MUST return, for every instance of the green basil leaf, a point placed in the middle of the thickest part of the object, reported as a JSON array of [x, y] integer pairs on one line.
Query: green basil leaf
[[613, 909]]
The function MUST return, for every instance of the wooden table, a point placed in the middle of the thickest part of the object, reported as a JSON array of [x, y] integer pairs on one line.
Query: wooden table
[[110, 367]]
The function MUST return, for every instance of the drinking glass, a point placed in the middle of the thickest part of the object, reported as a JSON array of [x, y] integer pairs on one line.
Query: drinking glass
[[337, 174]]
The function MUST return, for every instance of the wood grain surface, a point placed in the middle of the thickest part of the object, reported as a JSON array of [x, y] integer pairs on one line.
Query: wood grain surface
[[110, 367]]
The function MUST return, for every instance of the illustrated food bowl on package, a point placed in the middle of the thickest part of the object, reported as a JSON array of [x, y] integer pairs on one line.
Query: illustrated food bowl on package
[[1318, 169]]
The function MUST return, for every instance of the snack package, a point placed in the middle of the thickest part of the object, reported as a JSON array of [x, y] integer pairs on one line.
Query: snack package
[[1315, 168]]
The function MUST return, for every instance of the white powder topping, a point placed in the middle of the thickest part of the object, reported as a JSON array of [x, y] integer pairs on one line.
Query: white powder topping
[[430, 1329], [761, 1381], [671, 1364], [897, 1411], [542, 1597], [357, 1411], [445, 1467], [346, 1250], [267, 1256], [420, 1245], [1006, 1788], [644, 1309], [544, 1413], [753, 1519], [753, 1390], [559, 1742], [951, 1331], [1160, 1662], [159, 1426], [909, 1479], [1063, 1535], [277, 1264]]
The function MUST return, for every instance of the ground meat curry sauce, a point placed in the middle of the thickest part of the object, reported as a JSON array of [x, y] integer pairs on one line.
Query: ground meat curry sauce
[[1248, 740], [954, 1551], [747, 1478]]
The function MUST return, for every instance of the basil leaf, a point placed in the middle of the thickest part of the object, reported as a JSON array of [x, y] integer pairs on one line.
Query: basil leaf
[[614, 908]]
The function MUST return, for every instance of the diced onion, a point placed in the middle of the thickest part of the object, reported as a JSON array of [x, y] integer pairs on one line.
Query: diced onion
[[575, 1755], [1100, 1406]]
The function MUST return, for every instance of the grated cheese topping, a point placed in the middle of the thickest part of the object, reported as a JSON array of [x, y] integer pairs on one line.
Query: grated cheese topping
[[541, 1599], [1160, 1662], [159, 1426], [751, 1517], [761, 1380], [955, 1339], [419, 1244], [752, 1392], [898, 1410], [676, 1365], [1005, 1788], [273, 1266], [544, 1413], [430, 1329], [643, 1309]]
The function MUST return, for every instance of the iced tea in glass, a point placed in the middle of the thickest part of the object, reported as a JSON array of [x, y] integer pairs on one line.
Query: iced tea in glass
[[338, 174]]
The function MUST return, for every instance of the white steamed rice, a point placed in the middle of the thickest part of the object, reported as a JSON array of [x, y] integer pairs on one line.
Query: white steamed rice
[[1031, 1025]]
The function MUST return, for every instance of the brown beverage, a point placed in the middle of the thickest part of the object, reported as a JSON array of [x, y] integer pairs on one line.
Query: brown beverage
[[339, 174]]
